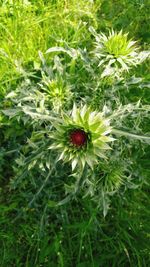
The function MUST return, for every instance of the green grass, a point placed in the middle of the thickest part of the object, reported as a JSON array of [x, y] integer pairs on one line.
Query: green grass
[[26, 29], [33, 231]]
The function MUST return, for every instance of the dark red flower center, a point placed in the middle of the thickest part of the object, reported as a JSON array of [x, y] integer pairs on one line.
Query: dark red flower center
[[78, 137]]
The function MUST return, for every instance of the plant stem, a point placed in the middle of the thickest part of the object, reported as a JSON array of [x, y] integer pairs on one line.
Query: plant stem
[[135, 136], [41, 188]]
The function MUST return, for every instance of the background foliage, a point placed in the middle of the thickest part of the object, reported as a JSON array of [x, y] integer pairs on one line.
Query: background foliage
[[34, 232]]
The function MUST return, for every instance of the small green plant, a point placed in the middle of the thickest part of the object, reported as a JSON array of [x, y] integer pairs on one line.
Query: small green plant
[[55, 86]]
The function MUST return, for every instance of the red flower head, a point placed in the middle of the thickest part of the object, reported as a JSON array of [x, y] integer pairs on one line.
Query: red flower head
[[81, 137], [78, 137]]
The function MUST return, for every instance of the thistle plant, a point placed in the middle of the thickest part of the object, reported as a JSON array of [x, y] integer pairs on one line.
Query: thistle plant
[[81, 137], [61, 170], [116, 53]]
